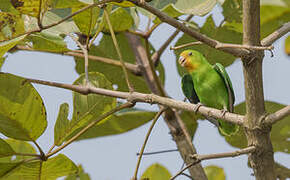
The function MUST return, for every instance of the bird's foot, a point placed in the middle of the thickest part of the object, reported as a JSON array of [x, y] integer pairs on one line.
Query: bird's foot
[[197, 106], [224, 111]]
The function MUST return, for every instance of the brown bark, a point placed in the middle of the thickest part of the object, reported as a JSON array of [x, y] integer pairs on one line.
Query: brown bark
[[261, 160]]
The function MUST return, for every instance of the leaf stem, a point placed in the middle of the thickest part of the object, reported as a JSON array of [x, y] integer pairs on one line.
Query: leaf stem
[[130, 86]]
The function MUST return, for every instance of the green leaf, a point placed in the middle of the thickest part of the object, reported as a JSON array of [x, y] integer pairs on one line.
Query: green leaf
[[31, 7], [115, 74], [87, 19], [6, 45], [10, 26], [171, 11], [66, 3], [223, 34], [80, 175], [273, 17], [6, 6], [157, 4], [87, 108], [42, 170], [232, 10], [6, 168], [124, 4], [214, 173], [196, 7], [287, 46], [119, 123], [121, 20], [22, 112], [5, 149], [48, 42], [279, 134], [156, 172], [2, 60], [18, 147]]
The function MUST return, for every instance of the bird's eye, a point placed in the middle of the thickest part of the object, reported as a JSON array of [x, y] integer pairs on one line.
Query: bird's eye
[[190, 53]]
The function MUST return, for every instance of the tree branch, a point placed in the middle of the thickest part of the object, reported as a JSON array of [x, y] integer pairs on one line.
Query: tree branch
[[278, 115], [198, 36], [267, 41], [146, 98], [132, 67], [199, 158], [145, 142]]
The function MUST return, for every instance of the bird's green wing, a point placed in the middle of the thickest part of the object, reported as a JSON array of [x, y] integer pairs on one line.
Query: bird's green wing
[[188, 89], [224, 75]]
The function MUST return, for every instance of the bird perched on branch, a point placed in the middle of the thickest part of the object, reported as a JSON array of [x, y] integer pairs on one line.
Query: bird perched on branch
[[208, 85]]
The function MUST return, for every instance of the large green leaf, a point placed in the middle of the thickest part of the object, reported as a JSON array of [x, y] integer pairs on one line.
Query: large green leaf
[[22, 112], [41, 170], [190, 121], [10, 25], [87, 108], [115, 74], [5, 149], [87, 19], [171, 11], [6, 45], [232, 10], [48, 42], [156, 172], [196, 7], [119, 123], [80, 175], [66, 3], [279, 134], [214, 173], [6, 6], [223, 34], [18, 147], [5, 168], [159, 4], [120, 19]]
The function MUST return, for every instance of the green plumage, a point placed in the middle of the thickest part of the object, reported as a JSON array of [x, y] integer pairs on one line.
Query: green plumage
[[210, 85]]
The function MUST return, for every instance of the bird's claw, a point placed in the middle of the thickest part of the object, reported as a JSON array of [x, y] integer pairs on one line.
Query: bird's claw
[[197, 106]]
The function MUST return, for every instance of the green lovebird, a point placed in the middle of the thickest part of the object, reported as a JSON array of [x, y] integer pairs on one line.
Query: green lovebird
[[208, 85]]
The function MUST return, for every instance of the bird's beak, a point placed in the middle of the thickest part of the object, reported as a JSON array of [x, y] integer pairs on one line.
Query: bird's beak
[[182, 61]]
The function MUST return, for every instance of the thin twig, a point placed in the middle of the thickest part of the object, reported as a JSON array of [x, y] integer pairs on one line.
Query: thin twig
[[42, 154], [156, 56], [145, 142], [186, 45], [270, 39], [158, 152], [130, 86], [228, 45], [26, 154], [85, 52], [187, 176], [147, 98], [278, 115], [39, 15], [76, 53], [199, 158], [51, 148], [99, 119]]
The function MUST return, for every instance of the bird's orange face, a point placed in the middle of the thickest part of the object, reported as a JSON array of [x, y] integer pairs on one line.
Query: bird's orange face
[[185, 61]]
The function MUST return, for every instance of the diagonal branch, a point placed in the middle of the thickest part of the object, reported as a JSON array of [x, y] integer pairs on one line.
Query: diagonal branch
[[278, 115], [267, 41], [145, 142], [198, 36], [146, 98], [130, 86], [199, 158], [75, 53]]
